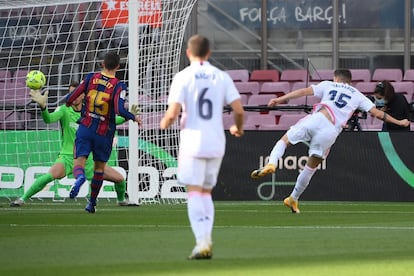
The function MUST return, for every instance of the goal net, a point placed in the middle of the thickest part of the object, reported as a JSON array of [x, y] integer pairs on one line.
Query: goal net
[[66, 39]]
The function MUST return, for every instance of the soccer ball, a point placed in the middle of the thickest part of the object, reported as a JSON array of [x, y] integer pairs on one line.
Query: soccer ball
[[35, 79]]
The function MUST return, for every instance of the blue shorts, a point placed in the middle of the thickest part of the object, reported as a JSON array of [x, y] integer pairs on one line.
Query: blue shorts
[[87, 141]]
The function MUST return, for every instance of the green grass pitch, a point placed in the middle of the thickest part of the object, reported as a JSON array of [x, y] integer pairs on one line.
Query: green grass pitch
[[250, 238]]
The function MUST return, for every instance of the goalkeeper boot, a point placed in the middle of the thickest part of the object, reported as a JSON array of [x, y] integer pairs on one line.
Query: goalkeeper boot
[[292, 204], [76, 187], [201, 251], [126, 202], [268, 169], [17, 203], [90, 208]]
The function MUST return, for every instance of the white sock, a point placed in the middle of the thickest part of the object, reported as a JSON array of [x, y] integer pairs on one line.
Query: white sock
[[302, 182], [209, 222], [196, 214], [277, 152]]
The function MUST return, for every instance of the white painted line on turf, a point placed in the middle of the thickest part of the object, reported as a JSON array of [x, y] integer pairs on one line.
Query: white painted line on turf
[[316, 212], [218, 210], [330, 227]]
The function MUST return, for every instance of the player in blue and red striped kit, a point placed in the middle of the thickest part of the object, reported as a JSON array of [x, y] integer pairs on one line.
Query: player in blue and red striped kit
[[104, 98]]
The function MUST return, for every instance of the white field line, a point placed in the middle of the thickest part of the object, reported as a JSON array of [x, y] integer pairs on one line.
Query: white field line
[[330, 227], [218, 210]]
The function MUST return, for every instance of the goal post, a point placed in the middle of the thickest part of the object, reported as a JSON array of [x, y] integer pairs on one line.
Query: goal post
[[66, 39]]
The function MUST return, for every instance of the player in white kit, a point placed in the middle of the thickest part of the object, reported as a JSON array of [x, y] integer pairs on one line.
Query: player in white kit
[[338, 102], [201, 91]]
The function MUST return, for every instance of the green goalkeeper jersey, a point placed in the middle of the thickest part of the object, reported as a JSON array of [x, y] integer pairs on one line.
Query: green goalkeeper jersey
[[68, 118]]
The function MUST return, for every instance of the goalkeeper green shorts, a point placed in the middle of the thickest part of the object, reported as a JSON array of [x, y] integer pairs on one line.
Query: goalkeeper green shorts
[[67, 161]]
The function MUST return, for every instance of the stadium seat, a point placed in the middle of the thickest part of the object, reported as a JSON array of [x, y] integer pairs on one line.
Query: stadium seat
[[294, 75], [409, 75], [366, 88], [309, 100], [275, 88], [404, 87], [146, 103], [323, 74], [145, 99], [387, 74], [254, 121], [287, 120], [291, 119], [151, 120], [11, 119], [162, 99], [241, 75], [301, 84], [244, 99], [372, 124], [249, 88], [360, 75], [260, 100], [19, 76], [264, 75], [5, 76], [14, 95]]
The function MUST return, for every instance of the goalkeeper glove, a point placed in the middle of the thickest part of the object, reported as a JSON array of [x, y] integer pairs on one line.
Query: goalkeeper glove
[[134, 109], [39, 98]]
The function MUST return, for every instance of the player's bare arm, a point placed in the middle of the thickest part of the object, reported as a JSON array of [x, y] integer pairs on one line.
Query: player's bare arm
[[171, 115], [379, 114], [238, 113], [308, 91]]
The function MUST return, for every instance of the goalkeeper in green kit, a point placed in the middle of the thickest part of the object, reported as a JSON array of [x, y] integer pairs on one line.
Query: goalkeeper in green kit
[[63, 166]]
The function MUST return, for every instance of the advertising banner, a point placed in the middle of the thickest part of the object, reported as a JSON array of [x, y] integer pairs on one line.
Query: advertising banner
[[116, 12], [310, 14], [362, 166], [26, 155]]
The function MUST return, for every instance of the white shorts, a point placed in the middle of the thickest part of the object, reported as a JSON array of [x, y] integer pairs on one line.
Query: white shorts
[[317, 131], [201, 172]]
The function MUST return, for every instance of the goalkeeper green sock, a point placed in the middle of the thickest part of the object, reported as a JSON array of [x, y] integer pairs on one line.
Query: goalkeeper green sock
[[120, 188], [37, 186]]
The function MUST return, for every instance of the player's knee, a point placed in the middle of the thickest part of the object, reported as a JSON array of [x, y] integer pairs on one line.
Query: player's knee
[[114, 175], [118, 178]]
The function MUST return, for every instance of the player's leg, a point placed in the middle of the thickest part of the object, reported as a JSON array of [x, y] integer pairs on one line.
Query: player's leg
[[276, 153], [199, 220], [79, 174], [102, 147], [96, 184], [302, 182], [212, 170], [208, 203], [57, 171], [297, 133], [305, 176], [323, 135], [191, 172], [114, 176], [83, 147]]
